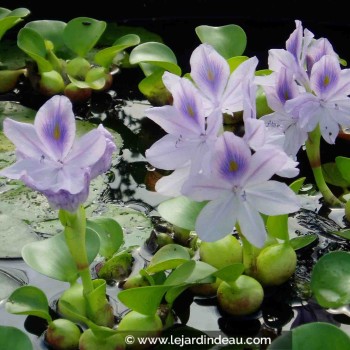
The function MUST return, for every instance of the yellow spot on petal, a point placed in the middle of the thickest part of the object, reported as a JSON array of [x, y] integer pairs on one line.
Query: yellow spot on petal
[[210, 75], [190, 111], [233, 166], [326, 80], [56, 132]]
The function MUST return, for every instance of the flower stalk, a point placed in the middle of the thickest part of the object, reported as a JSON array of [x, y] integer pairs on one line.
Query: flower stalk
[[313, 154]]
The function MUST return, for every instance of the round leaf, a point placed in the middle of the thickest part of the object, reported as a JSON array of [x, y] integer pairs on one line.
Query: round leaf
[[81, 34], [9, 19], [330, 280], [52, 258], [28, 300], [105, 57], [110, 234], [155, 54], [181, 211], [302, 241], [229, 40], [144, 300], [180, 274], [315, 335], [168, 257], [14, 339]]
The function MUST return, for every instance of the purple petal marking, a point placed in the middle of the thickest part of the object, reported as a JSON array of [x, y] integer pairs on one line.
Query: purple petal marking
[[210, 71], [286, 88], [325, 76], [24, 137], [232, 157], [55, 126], [294, 42], [317, 50]]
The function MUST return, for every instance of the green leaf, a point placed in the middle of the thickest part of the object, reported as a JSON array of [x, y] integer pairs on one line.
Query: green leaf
[[343, 164], [14, 339], [81, 34], [262, 107], [302, 241], [29, 300], [33, 45], [202, 271], [297, 184], [154, 55], [277, 226], [229, 40], [181, 211], [234, 62], [144, 300], [105, 57], [9, 19], [49, 30], [109, 232], [333, 176], [180, 274], [330, 280], [11, 56], [344, 233], [168, 257], [52, 258], [319, 335], [230, 273]]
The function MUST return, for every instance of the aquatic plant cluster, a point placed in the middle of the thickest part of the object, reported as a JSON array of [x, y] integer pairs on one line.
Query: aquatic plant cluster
[[232, 136]]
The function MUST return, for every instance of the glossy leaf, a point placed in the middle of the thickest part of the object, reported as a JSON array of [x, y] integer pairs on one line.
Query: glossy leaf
[[29, 300], [52, 258], [230, 273], [333, 176], [154, 55], [82, 33], [234, 62], [229, 40], [302, 241], [9, 19], [297, 184], [49, 30], [144, 300], [330, 280], [14, 339], [277, 226], [319, 335], [181, 273], [181, 211], [109, 232], [262, 107], [33, 45], [343, 165], [344, 233], [105, 57], [168, 257]]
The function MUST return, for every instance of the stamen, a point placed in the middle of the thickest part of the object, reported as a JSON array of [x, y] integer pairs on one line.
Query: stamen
[[233, 166], [56, 132]]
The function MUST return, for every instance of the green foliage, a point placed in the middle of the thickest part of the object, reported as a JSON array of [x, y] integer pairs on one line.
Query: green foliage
[[14, 339], [9, 19]]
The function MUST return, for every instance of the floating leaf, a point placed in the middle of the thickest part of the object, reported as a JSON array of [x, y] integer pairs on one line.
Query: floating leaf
[[302, 241], [33, 45], [180, 274], [9, 19], [82, 33], [229, 40], [14, 339], [29, 300], [343, 165], [168, 257], [297, 184], [105, 57], [156, 55], [109, 232], [52, 258], [344, 233], [230, 273], [330, 280], [10, 279], [277, 226], [11, 56], [234, 62], [181, 211], [144, 300]]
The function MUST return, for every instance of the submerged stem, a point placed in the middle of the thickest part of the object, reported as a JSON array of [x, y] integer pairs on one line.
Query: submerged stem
[[313, 154]]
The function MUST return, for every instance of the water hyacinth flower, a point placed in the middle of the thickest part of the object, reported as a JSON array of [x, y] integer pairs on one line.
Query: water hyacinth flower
[[52, 161], [239, 189]]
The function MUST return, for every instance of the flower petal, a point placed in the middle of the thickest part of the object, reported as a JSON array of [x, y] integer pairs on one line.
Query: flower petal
[[55, 126], [252, 225], [170, 152], [294, 139], [272, 198], [24, 137], [294, 42], [254, 133], [210, 71], [171, 185], [217, 218], [170, 80], [328, 126]]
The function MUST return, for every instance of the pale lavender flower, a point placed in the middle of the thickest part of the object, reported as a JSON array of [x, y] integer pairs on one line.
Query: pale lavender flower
[[211, 74], [239, 189], [190, 134], [329, 104], [51, 160]]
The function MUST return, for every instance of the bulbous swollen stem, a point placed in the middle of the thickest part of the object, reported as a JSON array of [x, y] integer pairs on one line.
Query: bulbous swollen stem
[[313, 154], [74, 232]]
